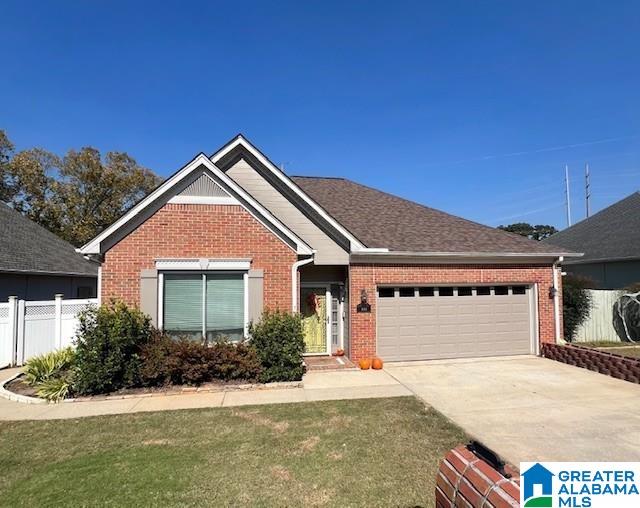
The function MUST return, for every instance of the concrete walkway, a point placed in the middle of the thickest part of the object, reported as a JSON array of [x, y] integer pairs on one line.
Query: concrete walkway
[[532, 409], [332, 385]]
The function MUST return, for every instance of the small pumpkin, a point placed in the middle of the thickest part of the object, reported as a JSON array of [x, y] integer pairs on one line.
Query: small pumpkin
[[365, 363], [376, 364], [339, 352]]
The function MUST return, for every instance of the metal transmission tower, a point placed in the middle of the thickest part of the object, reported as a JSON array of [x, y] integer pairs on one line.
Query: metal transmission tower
[[587, 189], [567, 194]]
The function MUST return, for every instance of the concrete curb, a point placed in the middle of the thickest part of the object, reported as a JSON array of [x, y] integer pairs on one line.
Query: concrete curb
[[16, 397]]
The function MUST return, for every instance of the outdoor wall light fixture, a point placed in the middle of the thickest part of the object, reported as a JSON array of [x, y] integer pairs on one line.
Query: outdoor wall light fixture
[[552, 292], [364, 305]]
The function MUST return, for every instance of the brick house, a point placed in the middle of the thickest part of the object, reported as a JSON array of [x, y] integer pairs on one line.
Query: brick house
[[229, 235]]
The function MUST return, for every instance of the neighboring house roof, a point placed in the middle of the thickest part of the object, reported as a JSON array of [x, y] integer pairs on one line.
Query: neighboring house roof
[[609, 235], [28, 247], [382, 220]]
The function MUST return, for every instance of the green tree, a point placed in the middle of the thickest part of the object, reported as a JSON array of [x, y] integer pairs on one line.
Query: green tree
[[537, 232], [576, 303], [6, 151], [75, 196]]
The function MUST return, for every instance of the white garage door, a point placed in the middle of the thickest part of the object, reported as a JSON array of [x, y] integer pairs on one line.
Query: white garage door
[[425, 323]]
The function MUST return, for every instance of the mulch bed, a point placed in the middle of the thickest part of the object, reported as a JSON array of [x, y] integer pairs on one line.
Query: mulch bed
[[19, 386]]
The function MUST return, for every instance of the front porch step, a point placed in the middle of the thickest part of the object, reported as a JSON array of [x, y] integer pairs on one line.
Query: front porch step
[[315, 363]]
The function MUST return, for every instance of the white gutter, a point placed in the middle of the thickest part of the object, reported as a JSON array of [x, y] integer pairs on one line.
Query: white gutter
[[294, 281], [556, 299], [387, 253]]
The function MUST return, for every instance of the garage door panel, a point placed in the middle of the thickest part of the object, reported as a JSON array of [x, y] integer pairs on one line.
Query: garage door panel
[[467, 329], [447, 309], [431, 327]]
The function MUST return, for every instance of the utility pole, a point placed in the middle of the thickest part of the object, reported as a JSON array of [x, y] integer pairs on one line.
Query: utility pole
[[567, 194], [587, 189]]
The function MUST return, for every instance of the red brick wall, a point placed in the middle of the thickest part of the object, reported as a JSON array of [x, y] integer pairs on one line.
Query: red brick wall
[[363, 325], [199, 231], [466, 480]]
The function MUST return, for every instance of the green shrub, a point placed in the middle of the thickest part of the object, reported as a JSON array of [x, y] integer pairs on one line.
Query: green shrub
[[576, 303], [39, 369], [229, 361], [51, 373], [55, 388], [279, 342], [155, 354], [109, 343], [166, 361], [188, 363]]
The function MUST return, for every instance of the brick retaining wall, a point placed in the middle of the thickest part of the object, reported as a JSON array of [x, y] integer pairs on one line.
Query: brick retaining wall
[[465, 480], [610, 364]]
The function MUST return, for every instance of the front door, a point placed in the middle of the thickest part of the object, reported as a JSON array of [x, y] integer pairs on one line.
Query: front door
[[315, 319]]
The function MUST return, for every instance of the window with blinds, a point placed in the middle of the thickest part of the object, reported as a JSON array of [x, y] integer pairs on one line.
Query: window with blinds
[[207, 305]]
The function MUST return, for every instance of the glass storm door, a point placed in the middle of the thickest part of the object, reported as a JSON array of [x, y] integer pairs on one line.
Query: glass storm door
[[313, 307]]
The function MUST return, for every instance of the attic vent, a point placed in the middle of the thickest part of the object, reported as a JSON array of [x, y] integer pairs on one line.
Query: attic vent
[[204, 186]]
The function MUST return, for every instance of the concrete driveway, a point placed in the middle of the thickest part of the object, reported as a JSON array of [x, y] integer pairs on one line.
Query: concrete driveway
[[532, 409]]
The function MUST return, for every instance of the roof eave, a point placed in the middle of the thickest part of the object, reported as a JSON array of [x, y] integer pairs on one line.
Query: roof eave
[[603, 260], [57, 273], [94, 245], [458, 257], [356, 244]]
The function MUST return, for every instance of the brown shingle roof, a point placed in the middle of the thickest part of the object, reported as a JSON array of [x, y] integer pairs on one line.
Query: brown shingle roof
[[383, 220]]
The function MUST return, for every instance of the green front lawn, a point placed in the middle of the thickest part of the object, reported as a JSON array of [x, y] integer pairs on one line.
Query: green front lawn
[[619, 348], [375, 452]]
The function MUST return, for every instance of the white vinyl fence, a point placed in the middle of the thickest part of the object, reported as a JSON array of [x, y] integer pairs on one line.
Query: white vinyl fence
[[599, 325], [31, 328]]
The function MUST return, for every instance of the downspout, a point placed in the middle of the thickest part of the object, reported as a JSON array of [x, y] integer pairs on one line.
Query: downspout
[[99, 286], [556, 299], [294, 281]]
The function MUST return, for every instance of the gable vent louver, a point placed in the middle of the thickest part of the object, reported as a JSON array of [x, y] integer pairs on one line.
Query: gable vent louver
[[205, 187]]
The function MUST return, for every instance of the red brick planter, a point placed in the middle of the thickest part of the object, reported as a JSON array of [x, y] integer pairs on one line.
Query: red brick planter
[[609, 364], [466, 480]]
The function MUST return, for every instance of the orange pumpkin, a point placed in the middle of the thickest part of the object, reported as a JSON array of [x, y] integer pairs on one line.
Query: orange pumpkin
[[365, 363], [376, 363]]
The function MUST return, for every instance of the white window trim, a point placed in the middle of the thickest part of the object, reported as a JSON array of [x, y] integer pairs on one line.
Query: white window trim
[[204, 200], [245, 280], [203, 264]]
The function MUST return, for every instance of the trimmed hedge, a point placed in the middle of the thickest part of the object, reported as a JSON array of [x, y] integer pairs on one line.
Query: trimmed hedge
[[167, 361], [109, 342], [118, 348], [279, 342]]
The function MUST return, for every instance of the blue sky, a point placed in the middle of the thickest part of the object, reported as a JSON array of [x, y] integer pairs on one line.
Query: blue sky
[[471, 107]]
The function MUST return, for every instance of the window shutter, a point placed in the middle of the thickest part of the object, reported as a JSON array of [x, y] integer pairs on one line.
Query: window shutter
[[149, 294], [225, 304], [256, 298], [183, 303]]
